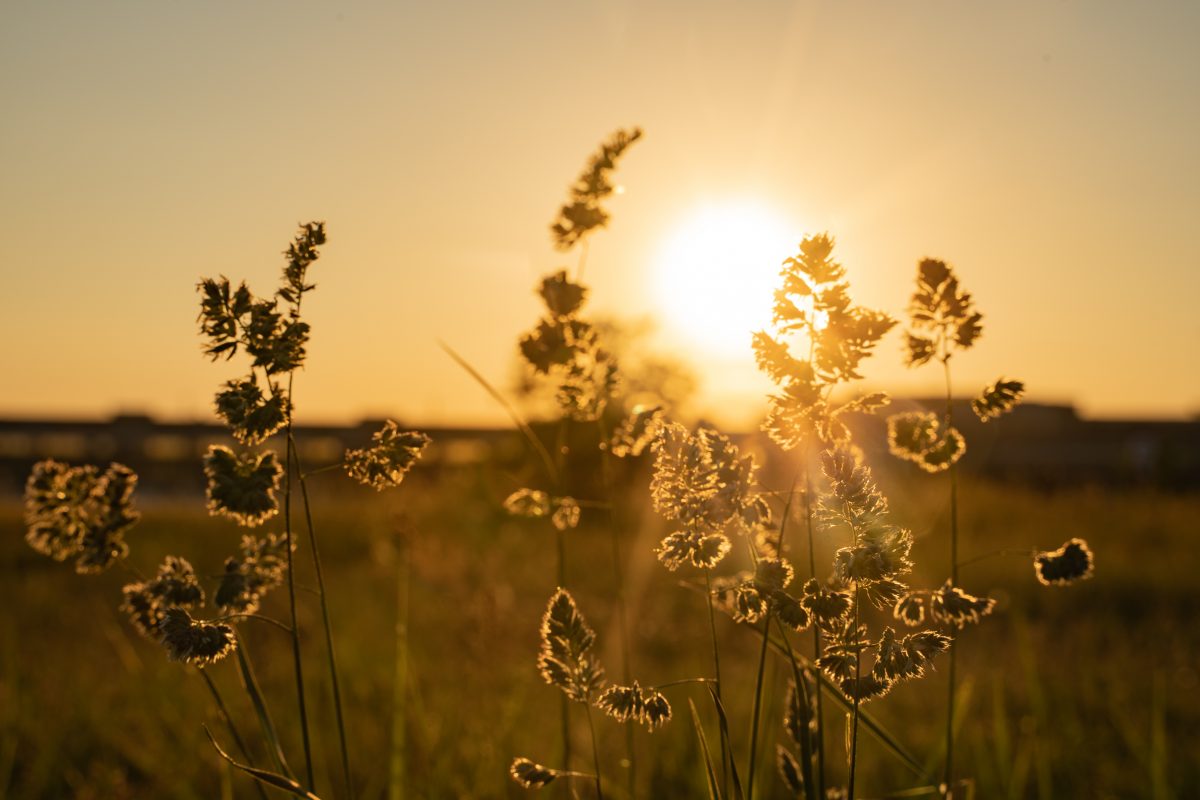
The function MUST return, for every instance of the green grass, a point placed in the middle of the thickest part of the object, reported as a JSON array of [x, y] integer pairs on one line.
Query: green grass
[[1088, 692]]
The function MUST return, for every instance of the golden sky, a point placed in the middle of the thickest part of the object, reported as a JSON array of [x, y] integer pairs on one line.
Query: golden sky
[[1048, 150]]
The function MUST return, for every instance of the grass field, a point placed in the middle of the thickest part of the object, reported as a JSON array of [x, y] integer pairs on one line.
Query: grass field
[[1088, 692]]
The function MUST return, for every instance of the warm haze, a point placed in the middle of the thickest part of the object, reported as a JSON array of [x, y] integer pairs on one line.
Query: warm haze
[[1047, 151]]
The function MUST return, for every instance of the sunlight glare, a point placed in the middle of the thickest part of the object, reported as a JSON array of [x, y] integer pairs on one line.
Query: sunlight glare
[[717, 273]]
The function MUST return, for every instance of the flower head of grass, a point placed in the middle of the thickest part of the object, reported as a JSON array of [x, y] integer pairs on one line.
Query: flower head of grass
[[566, 659], [997, 399], [582, 213], [261, 567], [242, 487], [194, 641], [80, 513], [943, 316], [252, 417], [528, 503], [391, 455], [1070, 563], [174, 586], [531, 775], [636, 431], [626, 703], [814, 301], [922, 438]]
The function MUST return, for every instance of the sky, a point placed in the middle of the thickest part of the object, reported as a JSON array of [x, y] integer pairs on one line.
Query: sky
[[1048, 150]]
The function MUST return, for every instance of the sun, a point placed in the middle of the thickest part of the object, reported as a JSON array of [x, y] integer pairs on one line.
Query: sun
[[717, 272]]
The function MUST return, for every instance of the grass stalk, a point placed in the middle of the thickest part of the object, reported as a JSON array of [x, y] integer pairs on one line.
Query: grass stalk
[[229, 723], [291, 580], [595, 751], [758, 690], [857, 692], [619, 592], [819, 743], [948, 774], [327, 624], [712, 626], [397, 772]]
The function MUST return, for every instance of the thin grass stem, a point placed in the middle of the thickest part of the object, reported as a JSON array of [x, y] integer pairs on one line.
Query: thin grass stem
[[291, 575], [329, 648], [595, 751], [758, 687], [857, 692], [712, 626], [228, 720]]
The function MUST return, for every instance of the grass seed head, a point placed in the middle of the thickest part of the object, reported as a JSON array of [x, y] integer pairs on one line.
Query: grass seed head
[[194, 641], [392, 454], [242, 487], [1070, 563], [531, 775], [527, 503], [252, 417], [565, 659]]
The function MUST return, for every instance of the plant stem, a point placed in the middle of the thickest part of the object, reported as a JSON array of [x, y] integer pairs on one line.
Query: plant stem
[[595, 751], [619, 589], [857, 692], [228, 720], [758, 686], [329, 649], [948, 774], [712, 626], [819, 744], [291, 573]]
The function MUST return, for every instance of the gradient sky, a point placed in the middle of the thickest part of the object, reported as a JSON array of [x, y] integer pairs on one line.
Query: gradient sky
[[1051, 151]]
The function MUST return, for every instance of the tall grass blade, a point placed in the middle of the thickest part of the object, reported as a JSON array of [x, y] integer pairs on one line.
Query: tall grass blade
[[397, 773], [269, 778], [714, 789], [250, 684], [724, 721], [530, 436]]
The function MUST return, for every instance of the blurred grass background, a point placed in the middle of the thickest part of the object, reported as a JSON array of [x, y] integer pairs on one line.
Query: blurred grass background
[[1089, 691]]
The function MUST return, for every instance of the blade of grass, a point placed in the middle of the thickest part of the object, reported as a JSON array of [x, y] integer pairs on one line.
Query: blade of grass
[[330, 653], [228, 720], [724, 721], [397, 774], [269, 778], [530, 436], [250, 684], [714, 790]]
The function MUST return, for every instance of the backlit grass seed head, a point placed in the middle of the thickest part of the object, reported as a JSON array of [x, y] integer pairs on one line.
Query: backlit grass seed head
[[703, 481], [194, 641], [701, 550], [261, 567], [174, 586], [242, 487], [921, 437], [252, 417], [565, 659], [800, 709], [1069, 563], [528, 503], [828, 605], [773, 574], [109, 513], [391, 455], [941, 309], [625, 703], [562, 296], [80, 513], [905, 658], [749, 605], [566, 513], [636, 431], [789, 770], [814, 301], [582, 213], [948, 607], [530, 775], [998, 399]]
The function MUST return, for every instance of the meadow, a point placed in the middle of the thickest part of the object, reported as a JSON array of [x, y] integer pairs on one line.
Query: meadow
[[1087, 691], [821, 608]]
